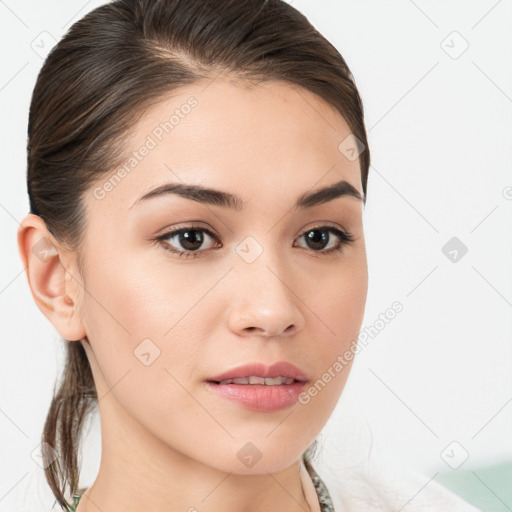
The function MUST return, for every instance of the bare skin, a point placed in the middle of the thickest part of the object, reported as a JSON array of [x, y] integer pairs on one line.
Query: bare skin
[[168, 442]]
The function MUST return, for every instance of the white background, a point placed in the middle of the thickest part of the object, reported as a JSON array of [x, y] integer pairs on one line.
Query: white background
[[440, 137]]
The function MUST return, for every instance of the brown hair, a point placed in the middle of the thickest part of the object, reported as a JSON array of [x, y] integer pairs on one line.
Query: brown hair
[[99, 79]]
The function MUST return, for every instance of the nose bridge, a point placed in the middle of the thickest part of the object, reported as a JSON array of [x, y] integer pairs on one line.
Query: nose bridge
[[263, 297]]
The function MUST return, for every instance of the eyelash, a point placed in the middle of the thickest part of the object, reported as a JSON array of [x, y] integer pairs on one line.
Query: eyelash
[[344, 236]]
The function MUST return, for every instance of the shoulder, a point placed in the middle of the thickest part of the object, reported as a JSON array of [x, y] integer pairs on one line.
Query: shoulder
[[390, 489]]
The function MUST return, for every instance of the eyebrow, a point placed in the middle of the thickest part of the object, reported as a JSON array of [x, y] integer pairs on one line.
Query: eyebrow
[[223, 199]]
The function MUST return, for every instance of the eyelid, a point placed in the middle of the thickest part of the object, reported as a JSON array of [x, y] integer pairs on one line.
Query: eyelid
[[192, 224], [322, 224]]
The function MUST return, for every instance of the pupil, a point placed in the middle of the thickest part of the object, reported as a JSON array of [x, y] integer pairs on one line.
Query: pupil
[[188, 241], [317, 237]]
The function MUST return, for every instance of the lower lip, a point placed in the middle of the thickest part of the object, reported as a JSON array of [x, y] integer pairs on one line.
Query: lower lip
[[258, 397]]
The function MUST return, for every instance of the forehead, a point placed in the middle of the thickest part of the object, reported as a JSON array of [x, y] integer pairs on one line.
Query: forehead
[[235, 135]]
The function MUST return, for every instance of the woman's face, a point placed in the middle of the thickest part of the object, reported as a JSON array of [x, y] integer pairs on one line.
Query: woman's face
[[261, 280]]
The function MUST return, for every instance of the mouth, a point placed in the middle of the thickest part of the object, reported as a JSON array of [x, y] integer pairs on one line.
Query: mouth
[[281, 373], [260, 388]]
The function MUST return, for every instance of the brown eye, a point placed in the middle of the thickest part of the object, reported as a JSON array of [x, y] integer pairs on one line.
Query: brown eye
[[187, 241], [191, 240], [320, 238], [317, 239]]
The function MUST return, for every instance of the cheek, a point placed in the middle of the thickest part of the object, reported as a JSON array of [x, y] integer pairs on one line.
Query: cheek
[[128, 294], [337, 302], [142, 337], [137, 307]]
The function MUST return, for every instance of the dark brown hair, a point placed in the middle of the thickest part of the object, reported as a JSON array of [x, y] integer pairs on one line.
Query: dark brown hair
[[100, 78]]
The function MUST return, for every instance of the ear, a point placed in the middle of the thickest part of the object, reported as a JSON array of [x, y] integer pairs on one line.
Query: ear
[[54, 286]]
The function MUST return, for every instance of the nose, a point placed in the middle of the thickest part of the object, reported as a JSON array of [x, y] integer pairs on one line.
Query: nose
[[265, 301]]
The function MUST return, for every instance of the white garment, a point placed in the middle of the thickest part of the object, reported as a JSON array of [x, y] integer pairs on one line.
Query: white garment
[[360, 478], [386, 489]]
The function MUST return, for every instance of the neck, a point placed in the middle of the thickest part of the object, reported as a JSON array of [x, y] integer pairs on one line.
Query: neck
[[139, 472]]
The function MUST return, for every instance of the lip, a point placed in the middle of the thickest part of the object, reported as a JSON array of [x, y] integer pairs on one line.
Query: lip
[[279, 369], [258, 397]]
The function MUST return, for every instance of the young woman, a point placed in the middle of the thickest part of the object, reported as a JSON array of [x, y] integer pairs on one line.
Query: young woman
[[197, 174]]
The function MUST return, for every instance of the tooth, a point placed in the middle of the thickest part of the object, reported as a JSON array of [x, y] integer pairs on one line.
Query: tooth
[[277, 381], [274, 382], [241, 380]]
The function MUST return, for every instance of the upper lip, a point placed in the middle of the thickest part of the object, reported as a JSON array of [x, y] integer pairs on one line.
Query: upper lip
[[279, 369]]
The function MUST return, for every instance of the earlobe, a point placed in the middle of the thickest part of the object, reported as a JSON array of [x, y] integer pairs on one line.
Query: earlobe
[[46, 269]]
